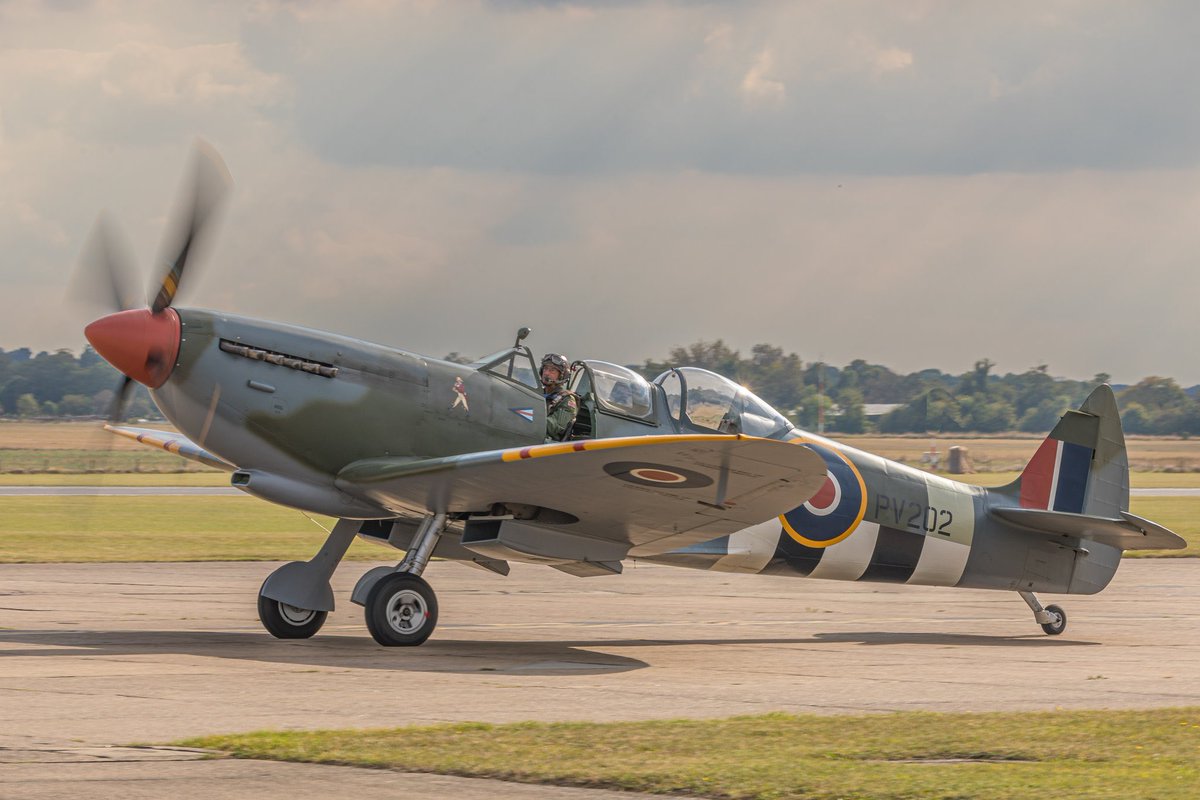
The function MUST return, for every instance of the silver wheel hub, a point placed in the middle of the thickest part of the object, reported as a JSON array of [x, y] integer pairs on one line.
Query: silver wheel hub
[[294, 615], [407, 612]]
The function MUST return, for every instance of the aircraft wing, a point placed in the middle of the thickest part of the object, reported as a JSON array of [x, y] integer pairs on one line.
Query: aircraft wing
[[172, 442], [651, 493]]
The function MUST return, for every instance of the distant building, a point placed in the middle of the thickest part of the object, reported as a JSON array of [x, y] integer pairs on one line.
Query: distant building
[[876, 410]]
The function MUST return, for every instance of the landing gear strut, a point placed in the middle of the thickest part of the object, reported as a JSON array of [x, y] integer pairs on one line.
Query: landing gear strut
[[1052, 618], [401, 609]]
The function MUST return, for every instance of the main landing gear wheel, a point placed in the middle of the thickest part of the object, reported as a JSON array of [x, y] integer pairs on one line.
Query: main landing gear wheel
[[1059, 625], [401, 610], [289, 622]]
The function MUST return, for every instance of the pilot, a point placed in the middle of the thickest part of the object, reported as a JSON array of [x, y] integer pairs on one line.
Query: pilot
[[561, 405]]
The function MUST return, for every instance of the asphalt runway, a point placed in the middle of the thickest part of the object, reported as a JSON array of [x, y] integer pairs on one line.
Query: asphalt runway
[[97, 657]]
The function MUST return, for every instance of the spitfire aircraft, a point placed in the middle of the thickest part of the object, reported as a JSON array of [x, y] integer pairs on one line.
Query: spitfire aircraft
[[440, 459]]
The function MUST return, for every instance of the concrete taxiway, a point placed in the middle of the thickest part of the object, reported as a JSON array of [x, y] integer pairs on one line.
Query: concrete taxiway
[[94, 657]]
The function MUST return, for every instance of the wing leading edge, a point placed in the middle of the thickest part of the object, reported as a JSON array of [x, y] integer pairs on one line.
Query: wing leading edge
[[650, 493], [172, 442]]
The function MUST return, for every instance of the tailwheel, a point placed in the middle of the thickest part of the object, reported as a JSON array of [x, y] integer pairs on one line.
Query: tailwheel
[[1052, 618], [1059, 624], [285, 621], [401, 610]]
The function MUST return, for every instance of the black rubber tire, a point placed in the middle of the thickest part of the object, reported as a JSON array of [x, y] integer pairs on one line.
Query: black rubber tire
[[1055, 628], [284, 622], [401, 610]]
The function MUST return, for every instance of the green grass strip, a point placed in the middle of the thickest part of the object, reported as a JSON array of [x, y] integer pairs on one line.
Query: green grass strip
[[197, 478], [119, 529], [1079, 754], [1180, 514], [243, 528]]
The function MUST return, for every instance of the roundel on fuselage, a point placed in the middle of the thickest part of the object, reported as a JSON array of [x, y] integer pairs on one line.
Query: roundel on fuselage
[[835, 510]]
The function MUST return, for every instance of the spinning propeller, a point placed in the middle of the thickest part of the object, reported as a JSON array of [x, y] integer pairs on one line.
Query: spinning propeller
[[143, 342]]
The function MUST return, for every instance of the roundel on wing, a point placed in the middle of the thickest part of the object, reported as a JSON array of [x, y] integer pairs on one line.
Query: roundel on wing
[[657, 475], [835, 510]]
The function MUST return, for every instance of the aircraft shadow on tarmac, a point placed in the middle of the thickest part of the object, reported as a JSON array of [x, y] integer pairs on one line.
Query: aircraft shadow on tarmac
[[341, 652], [451, 656], [950, 639]]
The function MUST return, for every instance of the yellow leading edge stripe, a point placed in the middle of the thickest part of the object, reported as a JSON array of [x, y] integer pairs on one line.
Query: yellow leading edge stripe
[[543, 450], [167, 441]]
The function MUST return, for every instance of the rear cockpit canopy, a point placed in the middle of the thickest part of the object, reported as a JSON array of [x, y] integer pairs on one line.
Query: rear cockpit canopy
[[706, 402], [617, 389]]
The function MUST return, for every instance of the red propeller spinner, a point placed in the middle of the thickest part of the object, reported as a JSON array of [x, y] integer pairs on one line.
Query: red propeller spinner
[[143, 345]]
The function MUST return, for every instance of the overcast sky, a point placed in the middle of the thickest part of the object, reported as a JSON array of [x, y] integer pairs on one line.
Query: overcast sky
[[918, 184]]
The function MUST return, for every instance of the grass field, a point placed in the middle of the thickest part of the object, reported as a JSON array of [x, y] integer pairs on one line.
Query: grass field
[[1011, 453], [144, 459], [81, 447], [194, 478], [1097, 755], [37, 447], [243, 528], [92, 529]]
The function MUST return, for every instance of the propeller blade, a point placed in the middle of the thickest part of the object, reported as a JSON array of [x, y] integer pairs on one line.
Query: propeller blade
[[202, 197], [116, 411], [106, 275]]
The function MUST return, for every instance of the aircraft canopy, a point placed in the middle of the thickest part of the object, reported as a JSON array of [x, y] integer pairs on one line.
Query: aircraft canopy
[[707, 402]]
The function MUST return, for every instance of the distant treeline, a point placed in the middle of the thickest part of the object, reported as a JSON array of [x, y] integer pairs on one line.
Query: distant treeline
[[61, 384], [931, 400]]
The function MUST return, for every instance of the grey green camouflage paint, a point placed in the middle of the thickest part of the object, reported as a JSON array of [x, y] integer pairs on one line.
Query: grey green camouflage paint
[[883, 521]]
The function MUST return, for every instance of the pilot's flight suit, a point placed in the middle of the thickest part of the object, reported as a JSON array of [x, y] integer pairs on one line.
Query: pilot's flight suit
[[561, 408]]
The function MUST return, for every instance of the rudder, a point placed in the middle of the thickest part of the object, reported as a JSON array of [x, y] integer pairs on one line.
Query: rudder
[[1082, 466]]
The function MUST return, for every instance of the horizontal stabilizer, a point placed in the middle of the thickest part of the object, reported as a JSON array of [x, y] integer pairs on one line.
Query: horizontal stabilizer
[[172, 442], [1128, 532]]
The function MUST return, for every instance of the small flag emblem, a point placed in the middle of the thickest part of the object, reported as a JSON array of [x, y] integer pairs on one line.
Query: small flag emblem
[[524, 413]]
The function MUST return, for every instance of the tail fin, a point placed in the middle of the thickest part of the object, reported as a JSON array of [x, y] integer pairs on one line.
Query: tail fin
[[1081, 467]]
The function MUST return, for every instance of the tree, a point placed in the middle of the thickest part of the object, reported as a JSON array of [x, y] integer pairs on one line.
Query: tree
[[852, 419], [877, 383], [1033, 387], [976, 381], [1134, 418], [993, 417], [1042, 417], [76, 405], [27, 406], [773, 376], [1155, 393]]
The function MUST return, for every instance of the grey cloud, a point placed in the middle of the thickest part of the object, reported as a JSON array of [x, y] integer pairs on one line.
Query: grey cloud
[[858, 88], [627, 179]]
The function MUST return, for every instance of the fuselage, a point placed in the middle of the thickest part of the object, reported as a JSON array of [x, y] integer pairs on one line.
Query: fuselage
[[291, 407]]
